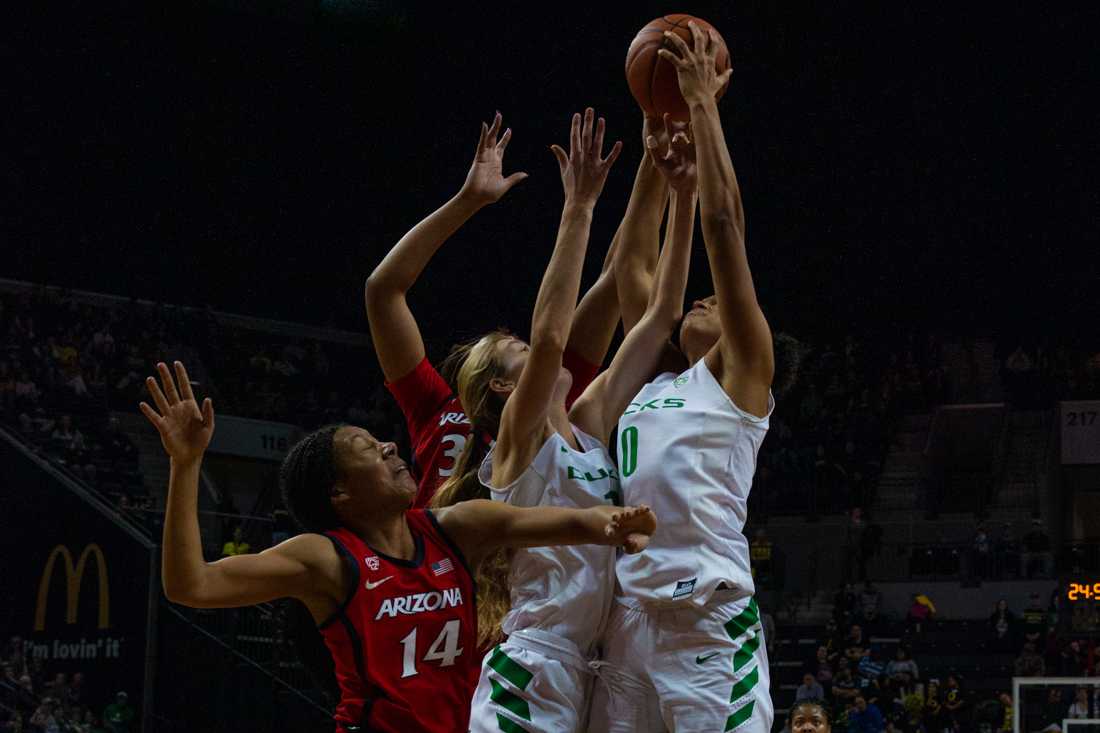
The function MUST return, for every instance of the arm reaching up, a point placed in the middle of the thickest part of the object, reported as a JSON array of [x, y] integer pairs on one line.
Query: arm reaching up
[[583, 173], [304, 567], [394, 330], [744, 354]]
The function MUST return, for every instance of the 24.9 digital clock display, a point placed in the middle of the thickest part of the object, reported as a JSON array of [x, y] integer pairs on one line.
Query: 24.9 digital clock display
[[1083, 591]]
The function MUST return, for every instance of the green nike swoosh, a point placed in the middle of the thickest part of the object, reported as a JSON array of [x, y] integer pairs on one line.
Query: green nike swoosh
[[700, 660]]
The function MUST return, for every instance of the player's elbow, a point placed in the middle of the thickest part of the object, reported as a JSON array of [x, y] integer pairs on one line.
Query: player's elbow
[[183, 590], [548, 337], [723, 224]]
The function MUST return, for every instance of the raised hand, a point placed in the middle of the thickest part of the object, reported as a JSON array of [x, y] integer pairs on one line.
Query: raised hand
[[485, 183], [184, 429], [583, 171], [672, 151], [632, 527], [695, 67]]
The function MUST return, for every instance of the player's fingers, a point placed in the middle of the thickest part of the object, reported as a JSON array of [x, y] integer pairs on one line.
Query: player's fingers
[[494, 128], [575, 134], [614, 154], [151, 414], [677, 43], [597, 139], [504, 140], [672, 58], [698, 38], [484, 135], [513, 180], [563, 159], [169, 384], [586, 130], [185, 382], [208, 413], [724, 77], [712, 42], [158, 397]]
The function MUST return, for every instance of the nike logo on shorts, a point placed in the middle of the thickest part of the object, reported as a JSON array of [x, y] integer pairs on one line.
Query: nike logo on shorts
[[700, 660], [375, 584]]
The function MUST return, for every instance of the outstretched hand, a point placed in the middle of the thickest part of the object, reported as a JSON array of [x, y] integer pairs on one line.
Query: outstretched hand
[[583, 171], [184, 429], [696, 68], [632, 527], [485, 183], [672, 151]]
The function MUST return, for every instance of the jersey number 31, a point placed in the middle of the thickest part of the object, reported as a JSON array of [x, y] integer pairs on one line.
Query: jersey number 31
[[444, 649]]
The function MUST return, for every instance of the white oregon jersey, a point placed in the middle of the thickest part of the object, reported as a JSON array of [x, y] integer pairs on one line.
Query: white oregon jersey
[[562, 590], [686, 450]]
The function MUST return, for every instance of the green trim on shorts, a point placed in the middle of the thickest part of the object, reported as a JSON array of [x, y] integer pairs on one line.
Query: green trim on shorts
[[740, 716], [736, 627], [509, 726], [507, 668]]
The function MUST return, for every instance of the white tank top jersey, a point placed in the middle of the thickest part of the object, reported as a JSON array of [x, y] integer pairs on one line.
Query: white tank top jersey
[[562, 590], [686, 450]]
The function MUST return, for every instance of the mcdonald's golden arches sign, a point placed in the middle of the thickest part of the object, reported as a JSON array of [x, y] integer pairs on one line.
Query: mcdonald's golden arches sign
[[73, 575]]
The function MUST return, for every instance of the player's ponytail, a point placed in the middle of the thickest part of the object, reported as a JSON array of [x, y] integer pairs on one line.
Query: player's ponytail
[[474, 364]]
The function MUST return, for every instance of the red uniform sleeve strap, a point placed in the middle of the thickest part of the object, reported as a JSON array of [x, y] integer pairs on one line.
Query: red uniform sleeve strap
[[420, 394]]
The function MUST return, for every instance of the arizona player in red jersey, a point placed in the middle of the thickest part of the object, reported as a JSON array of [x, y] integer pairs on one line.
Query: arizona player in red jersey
[[391, 587], [438, 426]]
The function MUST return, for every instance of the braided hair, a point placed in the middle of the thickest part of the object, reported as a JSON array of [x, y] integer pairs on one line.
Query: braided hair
[[306, 478]]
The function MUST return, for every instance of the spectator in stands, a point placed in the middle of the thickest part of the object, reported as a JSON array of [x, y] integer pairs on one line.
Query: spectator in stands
[[1035, 621], [66, 436], [954, 703], [981, 551], [45, 717], [770, 635], [810, 689], [1054, 711], [760, 554], [844, 604], [902, 664], [854, 645], [26, 391], [1079, 709], [237, 545], [869, 600], [833, 640], [921, 610], [1029, 663], [1037, 558], [871, 668], [1006, 703], [1001, 623], [856, 547], [119, 716], [1007, 552], [823, 667], [845, 689], [865, 718]]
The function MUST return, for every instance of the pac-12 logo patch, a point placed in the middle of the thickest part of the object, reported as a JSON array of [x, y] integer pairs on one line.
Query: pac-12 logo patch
[[371, 562], [679, 381], [684, 588]]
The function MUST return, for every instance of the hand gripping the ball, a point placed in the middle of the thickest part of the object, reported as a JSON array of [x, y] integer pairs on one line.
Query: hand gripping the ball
[[631, 527], [668, 144], [696, 68], [583, 171]]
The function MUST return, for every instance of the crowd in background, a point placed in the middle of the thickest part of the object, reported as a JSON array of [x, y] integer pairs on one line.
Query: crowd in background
[[36, 699]]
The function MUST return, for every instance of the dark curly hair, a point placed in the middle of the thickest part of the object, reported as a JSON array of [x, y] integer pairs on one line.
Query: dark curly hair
[[306, 479]]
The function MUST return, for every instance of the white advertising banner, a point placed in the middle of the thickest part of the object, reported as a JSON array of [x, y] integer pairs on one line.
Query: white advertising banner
[[1080, 432]]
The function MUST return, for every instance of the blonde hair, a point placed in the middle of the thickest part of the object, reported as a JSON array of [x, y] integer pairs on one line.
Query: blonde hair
[[474, 364]]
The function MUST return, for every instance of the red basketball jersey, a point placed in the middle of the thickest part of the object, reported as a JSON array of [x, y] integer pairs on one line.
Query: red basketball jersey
[[405, 640], [438, 426]]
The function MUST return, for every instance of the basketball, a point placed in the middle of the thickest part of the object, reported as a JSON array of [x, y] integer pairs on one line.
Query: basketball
[[652, 80]]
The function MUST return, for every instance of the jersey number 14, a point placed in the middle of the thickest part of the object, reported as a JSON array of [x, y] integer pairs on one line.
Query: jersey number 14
[[444, 649]]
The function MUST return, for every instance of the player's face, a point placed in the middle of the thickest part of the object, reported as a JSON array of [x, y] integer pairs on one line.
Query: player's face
[[513, 354], [371, 470], [701, 328], [809, 719]]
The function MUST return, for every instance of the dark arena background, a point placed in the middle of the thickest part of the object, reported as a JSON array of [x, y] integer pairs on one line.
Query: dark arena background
[[213, 182]]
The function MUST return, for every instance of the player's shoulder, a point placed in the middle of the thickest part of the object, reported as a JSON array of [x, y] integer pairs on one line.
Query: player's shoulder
[[310, 548]]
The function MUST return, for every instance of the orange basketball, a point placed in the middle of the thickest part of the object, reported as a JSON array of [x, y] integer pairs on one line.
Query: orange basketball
[[653, 80]]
